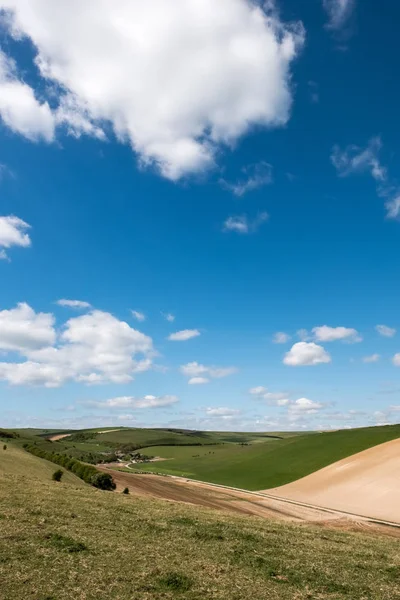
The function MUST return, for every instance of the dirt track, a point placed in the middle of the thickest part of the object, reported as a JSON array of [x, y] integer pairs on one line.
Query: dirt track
[[367, 483]]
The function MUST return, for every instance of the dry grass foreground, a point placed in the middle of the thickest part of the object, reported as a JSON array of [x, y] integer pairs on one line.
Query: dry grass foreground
[[65, 541]]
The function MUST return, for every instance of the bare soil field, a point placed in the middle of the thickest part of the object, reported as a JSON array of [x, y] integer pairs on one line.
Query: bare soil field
[[367, 483], [236, 501]]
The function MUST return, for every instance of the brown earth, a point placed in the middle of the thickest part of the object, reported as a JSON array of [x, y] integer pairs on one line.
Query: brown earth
[[246, 503], [367, 484]]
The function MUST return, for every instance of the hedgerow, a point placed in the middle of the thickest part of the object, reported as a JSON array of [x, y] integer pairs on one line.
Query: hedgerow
[[87, 473]]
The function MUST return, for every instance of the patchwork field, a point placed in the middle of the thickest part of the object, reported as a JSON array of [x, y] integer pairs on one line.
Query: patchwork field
[[68, 541]]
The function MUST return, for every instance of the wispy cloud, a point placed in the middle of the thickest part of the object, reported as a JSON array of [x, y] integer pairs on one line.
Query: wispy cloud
[[199, 374], [139, 316], [253, 177], [78, 304], [243, 225], [339, 12], [185, 334], [385, 331], [355, 160]]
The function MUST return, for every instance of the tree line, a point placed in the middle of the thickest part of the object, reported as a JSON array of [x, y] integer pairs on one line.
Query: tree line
[[87, 473]]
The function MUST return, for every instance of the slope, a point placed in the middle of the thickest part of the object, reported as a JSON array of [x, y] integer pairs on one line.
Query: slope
[[367, 483]]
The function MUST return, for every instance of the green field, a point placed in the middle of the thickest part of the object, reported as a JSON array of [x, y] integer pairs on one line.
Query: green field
[[69, 541], [253, 461], [269, 464]]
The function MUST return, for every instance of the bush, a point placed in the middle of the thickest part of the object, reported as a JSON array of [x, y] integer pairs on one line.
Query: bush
[[57, 475], [126, 491], [5, 447], [103, 481]]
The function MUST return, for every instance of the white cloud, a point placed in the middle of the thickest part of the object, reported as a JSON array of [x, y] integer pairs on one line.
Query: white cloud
[[199, 374], [393, 207], [304, 406], [12, 233], [272, 398], [332, 334], [280, 337], [169, 317], [371, 359], [139, 316], [21, 329], [339, 11], [123, 402], [242, 224], [306, 354], [198, 380], [184, 335], [93, 348], [385, 330], [396, 360], [222, 412], [354, 159], [175, 80], [78, 304], [19, 109], [254, 177]]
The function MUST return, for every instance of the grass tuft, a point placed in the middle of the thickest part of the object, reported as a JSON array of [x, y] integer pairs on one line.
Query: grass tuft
[[176, 582]]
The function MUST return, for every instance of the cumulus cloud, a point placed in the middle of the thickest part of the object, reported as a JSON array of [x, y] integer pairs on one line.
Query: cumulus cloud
[[272, 398], [78, 304], [306, 354], [332, 334], [19, 108], [385, 331], [280, 337], [339, 11], [123, 402], [371, 359], [199, 374], [174, 80], [304, 406], [93, 348], [139, 316], [184, 335], [21, 329], [243, 224], [13, 232], [254, 177]]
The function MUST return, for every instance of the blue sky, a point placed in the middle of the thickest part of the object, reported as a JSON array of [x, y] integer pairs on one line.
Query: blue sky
[[231, 166]]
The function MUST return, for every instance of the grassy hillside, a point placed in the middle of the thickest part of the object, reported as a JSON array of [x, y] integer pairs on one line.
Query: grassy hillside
[[16, 461], [66, 541], [270, 464]]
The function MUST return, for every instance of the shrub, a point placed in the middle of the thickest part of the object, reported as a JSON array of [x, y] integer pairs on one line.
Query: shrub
[[126, 491], [103, 481], [57, 475]]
